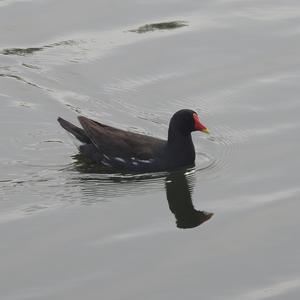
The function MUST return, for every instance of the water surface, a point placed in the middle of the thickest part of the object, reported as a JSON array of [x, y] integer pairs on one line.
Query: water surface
[[69, 233]]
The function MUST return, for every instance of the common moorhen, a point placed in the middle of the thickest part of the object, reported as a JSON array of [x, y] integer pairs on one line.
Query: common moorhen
[[122, 150]]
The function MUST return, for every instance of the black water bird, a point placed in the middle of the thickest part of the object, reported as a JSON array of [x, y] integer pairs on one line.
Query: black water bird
[[126, 151]]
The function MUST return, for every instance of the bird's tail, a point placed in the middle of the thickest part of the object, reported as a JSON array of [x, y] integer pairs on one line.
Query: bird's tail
[[76, 131]]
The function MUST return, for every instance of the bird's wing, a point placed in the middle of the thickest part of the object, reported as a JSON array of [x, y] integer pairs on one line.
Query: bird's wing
[[115, 142]]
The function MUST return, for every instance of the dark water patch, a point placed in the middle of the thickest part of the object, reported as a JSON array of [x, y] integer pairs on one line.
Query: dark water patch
[[32, 50], [160, 26], [20, 51]]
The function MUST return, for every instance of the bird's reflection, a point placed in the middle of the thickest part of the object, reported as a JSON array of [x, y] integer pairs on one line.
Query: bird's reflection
[[98, 185], [178, 190]]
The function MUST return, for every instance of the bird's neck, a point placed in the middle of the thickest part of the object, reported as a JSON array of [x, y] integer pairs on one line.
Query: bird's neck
[[180, 147], [176, 137]]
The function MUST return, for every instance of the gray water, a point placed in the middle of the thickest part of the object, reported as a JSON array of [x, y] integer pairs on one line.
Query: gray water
[[70, 234]]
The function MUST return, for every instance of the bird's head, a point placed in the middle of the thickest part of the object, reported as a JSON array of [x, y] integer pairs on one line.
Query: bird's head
[[186, 121]]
